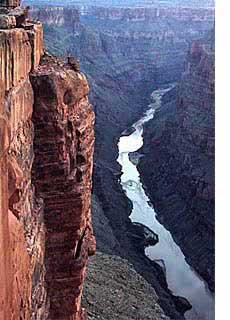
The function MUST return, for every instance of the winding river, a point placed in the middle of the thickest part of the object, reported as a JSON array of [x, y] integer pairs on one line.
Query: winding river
[[182, 279]]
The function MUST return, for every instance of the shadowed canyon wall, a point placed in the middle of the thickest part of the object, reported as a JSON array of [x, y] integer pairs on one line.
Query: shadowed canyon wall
[[125, 58], [46, 158], [179, 154]]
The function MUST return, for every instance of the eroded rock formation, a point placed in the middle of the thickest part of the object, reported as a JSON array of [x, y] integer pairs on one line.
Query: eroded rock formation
[[151, 14], [46, 123], [22, 224], [63, 145]]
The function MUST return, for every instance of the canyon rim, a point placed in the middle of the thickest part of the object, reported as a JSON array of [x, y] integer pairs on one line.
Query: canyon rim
[[107, 149]]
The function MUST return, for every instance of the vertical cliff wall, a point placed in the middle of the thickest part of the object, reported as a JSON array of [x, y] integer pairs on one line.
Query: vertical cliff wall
[[63, 144], [46, 123], [21, 213]]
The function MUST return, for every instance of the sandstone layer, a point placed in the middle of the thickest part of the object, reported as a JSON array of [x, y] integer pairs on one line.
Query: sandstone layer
[[37, 226], [57, 16], [62, 169], [21, 213]]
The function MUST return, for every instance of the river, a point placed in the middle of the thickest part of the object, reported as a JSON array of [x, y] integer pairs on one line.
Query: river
[[182, 279]]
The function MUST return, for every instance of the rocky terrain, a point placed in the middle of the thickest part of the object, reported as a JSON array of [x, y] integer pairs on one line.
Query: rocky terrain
[[116, 291], [46, 160], [179, 154], [58, 16]]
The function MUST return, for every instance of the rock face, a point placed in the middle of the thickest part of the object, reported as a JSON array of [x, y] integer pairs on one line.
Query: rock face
[[179, 155], [63, 145], [58, 16], [44, 190], [21, 213]]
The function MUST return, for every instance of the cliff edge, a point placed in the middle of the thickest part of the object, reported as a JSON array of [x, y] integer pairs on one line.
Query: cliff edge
[[46, 157]]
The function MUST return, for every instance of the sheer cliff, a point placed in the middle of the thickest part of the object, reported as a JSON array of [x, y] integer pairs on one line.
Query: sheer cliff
[[46, 160], [125, 59], [179, 154]]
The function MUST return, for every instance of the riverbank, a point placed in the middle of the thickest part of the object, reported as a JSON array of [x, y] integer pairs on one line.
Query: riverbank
[[181, 278], [111, 202], [178, 165]]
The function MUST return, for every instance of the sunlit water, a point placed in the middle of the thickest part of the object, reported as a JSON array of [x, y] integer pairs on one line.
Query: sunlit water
[[182, 280]]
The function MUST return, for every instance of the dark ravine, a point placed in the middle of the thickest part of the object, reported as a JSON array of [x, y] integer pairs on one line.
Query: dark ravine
[[180, 276], [180, 176]]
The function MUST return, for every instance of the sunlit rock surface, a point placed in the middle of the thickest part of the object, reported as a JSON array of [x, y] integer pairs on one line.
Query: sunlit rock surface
[[63, 145], [45, 189]]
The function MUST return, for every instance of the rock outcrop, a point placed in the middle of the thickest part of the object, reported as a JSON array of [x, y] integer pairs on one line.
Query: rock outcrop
[[46, 150], [10, 3], [114, 290], [63, 145], [179, 155], [21, 213]]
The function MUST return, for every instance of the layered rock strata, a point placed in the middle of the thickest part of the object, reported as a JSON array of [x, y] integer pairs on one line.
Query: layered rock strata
[[63, 145], [22, 295], [179, 155], [31, 237], [10, 3]]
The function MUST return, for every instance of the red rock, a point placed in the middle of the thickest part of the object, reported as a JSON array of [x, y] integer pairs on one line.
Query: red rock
[[64, 140], [45, 238]]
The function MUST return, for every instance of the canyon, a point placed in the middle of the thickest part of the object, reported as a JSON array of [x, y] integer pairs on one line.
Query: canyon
[[180, 175], [126, 54], [150, 48]]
